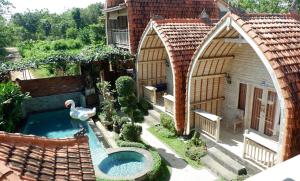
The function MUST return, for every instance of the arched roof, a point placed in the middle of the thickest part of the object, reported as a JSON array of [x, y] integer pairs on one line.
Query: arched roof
[[276, 37], [180, 38]]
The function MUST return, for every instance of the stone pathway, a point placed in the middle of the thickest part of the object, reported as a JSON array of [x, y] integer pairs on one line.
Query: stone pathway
[[180, 169]]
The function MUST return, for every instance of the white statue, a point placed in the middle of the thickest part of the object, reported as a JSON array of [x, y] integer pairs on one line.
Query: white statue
[[80, 113]]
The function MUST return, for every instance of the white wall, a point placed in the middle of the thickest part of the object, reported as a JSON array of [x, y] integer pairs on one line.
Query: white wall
[[246, 67], [169, 78]]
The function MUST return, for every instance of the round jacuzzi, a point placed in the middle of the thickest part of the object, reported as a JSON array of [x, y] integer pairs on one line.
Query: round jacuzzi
[[126, 164]]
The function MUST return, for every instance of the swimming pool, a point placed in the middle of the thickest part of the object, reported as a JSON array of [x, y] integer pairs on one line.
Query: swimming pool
[[58, 124]]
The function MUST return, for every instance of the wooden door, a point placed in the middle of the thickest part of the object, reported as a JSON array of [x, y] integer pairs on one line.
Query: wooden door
[[256, 108], [270, 113]]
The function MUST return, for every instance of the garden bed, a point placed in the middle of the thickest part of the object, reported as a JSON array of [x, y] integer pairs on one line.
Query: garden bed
[[176, 144]]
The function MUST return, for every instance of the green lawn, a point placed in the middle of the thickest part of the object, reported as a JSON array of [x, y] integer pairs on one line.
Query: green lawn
[[175, 144]]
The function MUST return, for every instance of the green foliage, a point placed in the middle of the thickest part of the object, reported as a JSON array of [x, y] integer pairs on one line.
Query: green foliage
[[126, 96], [85, 35], [262, 6], [195, 153], [144, 106], [159, 171], [72, 33], [125, 86], [122, 143], [131, 132], [196, 140], [11, 99], [196, 147], [108, 107], [165, 132], [76, 15], [167, 122], [157, 164], [178, 145]]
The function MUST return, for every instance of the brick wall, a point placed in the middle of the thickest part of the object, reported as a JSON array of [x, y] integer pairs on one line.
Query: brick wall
[[52, 86]]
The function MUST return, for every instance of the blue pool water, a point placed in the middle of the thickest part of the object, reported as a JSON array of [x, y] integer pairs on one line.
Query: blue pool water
[[123, 163], [58, 124]]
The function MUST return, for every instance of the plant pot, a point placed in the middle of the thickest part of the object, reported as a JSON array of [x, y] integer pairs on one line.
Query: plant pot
[[116, 128]]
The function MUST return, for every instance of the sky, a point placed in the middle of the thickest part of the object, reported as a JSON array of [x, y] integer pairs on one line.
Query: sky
[[54, 6]]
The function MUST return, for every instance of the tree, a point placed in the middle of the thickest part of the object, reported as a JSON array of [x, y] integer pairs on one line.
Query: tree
[[5, 6], [72, 33], [262, 6], [77, 17], [46, 26]]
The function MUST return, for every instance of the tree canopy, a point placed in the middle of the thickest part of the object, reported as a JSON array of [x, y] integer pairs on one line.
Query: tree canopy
[[263, 6]]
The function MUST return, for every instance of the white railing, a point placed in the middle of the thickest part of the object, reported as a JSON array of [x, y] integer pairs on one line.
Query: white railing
[[208, 123], [150, 94], [169, 103], [120, 38], [259, 149]]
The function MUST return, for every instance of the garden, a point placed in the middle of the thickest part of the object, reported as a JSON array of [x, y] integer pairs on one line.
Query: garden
[[121, 112], [191, 149]]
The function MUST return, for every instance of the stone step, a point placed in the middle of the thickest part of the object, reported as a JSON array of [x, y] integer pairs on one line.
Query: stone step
[[227, 161], [218, 168], [154, 114]]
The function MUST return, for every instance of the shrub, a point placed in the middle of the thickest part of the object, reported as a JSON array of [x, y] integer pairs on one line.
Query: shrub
[[123, 121], [195, 152], [144, 106], [59, 45], [127, 99], [122, 143], [11, 99], [157, 162], [167, 122], [131, 132], [74, 44], [108, 106], [196, 140], [72, 33]]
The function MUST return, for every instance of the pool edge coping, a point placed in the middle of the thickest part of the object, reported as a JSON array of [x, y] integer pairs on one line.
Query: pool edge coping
[[148, 163]]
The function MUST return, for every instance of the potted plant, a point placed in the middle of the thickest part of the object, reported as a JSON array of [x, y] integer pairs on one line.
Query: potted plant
[[108, 105], [116, 125]]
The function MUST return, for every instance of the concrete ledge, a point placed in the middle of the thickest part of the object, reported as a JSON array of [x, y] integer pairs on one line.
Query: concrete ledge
[[107, 136], [139, 176]]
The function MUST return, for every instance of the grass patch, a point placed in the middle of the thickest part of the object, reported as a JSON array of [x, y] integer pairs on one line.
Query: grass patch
[[174, 143]]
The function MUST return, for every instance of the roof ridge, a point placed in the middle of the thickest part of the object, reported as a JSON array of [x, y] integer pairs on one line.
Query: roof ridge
[[39, 141]]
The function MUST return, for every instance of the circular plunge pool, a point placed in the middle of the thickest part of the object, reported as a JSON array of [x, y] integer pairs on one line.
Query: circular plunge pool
[[126, 164]]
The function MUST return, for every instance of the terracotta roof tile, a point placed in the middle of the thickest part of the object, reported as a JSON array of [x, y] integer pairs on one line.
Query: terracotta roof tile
[[141, 11], [24, 157], [182, 37], [278, 37]]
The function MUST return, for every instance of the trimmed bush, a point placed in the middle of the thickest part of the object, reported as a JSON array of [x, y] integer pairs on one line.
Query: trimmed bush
[[122, 143], [157, 162], [167, 122], [125, 86], [144, 106], [131, 132], [195, 152]]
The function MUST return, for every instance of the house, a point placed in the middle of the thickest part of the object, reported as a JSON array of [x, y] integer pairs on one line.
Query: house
[[163, 58], [126, 20], [246, 72], [28, 157]]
